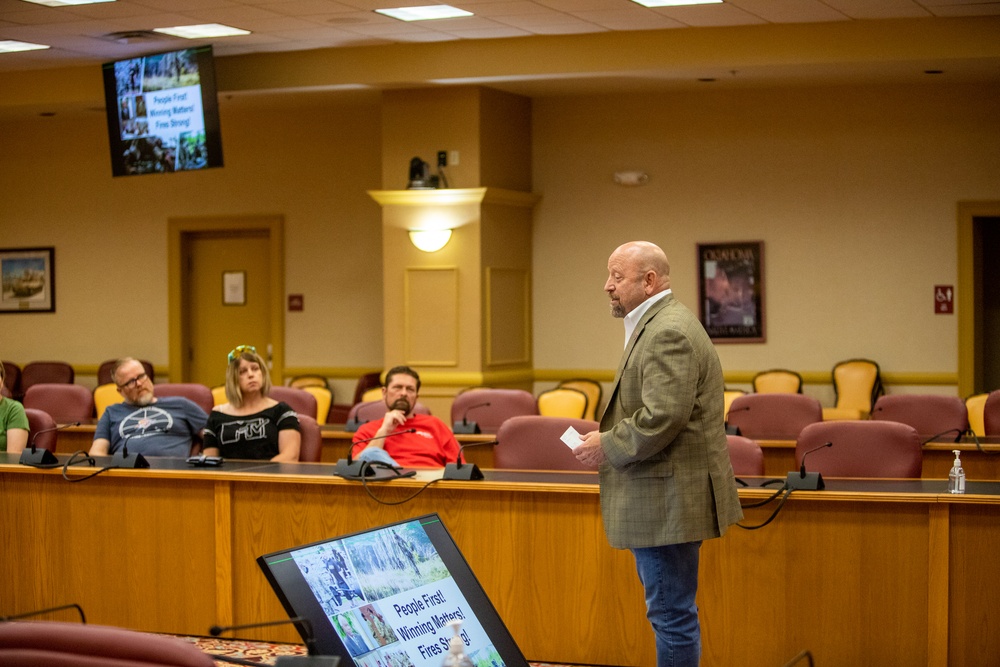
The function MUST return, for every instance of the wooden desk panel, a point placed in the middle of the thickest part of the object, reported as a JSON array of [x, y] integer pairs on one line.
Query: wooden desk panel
[[858, 578]]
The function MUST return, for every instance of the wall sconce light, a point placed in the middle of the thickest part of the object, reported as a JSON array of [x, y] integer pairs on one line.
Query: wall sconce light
[[430, 240]]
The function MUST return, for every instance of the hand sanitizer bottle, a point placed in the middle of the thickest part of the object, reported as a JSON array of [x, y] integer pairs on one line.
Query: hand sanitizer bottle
[[956, 478], [456, 649]]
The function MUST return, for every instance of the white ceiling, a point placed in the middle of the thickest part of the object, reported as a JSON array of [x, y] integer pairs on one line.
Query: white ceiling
[[80, 35]]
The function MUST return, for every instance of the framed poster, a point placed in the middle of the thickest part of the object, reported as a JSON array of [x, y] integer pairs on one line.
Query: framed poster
[[234, 288], [28, 280], [731, 291]]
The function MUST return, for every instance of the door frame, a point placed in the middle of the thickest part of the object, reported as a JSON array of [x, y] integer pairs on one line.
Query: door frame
[[969, 293], [180, 228]]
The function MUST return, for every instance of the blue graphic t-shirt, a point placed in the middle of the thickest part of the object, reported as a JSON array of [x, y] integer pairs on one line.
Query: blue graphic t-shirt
[[163, 428]]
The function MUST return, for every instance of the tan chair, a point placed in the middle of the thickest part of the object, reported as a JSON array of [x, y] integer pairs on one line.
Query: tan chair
[[857, 384], [339, 411], [105, 395], [373, 394], [219, 395], [303, 381], [728, 396], [777, 381], [324, 399], [593, 390], [975, 406], [562, 402]]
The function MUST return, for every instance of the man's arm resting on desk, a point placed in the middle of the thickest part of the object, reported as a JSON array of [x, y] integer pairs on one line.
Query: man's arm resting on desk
[[100, 447]]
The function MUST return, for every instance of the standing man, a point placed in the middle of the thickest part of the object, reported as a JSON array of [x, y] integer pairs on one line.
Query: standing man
[[666, 479]]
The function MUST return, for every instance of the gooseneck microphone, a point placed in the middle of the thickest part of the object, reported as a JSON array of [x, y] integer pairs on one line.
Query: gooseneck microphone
[[305, 628], [122, 459], [465, 427], [355, 422], [465, 471], [350, 468], [807, 481], [39, 612], [33, 456]]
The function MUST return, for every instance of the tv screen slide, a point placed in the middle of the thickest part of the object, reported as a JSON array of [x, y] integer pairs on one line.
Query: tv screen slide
[[163, 112], [385, 596]]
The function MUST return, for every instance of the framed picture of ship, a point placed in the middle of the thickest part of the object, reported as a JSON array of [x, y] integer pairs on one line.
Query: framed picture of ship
[[28, 280]]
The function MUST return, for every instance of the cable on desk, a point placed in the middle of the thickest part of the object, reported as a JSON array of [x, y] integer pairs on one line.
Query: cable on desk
[[784, 489], [85, 458], [364, 484]]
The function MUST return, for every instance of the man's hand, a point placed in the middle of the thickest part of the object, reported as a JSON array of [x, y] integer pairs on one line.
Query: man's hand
[[589, 452], [393, 420]]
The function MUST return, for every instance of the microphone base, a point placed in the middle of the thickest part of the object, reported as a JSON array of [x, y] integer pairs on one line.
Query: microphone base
[[353, 425], [120, 460], [813, 481], [39, 457], [307, 661], [465, 471], [732, 430], [465, 428], [354, 469]]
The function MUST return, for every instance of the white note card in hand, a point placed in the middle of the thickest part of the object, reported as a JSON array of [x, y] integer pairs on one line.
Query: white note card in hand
[[572, 438]]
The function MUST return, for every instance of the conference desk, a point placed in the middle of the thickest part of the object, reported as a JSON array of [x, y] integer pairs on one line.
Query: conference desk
[[865, 572], [336, 441], [980, 462]]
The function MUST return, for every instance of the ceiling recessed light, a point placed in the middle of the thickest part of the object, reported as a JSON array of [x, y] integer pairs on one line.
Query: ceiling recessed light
[[202, 31], [675, 3], [13, 46], [427, 13], [66, 3]]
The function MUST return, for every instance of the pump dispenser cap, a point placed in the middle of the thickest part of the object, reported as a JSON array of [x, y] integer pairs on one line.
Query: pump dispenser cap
[[957, 460]]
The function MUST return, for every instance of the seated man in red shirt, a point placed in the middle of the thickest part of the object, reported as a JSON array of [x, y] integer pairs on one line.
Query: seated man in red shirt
[[410, 440]]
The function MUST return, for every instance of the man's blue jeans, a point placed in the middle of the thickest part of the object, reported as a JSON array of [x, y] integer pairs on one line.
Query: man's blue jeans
[[670, 576]]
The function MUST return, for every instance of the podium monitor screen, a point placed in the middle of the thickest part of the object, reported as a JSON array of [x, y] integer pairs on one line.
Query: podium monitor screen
[[385, 596]]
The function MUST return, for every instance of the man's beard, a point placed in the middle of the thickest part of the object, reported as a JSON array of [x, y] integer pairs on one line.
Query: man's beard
[[617, 310], [402, 405], [146, 398]]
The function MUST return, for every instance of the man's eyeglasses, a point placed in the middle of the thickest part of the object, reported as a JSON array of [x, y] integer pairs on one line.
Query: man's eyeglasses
[[141, 377], [240, 349]]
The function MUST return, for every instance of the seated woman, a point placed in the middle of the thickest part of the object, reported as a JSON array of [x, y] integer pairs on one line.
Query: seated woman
[[13, 423], [251, 425]]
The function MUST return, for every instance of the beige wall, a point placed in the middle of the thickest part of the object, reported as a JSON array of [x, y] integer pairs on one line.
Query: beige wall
[[852, 190], [307, 157]]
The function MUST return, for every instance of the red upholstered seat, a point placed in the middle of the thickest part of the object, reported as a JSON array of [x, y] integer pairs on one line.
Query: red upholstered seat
[[311, 449], [532, 443], [503, 404], [774, 416], [41, 429], [991, 413], [861, 449], [197, 393], [929, 414], [41, 643], [65, 403], [299, 400], [746, 455]]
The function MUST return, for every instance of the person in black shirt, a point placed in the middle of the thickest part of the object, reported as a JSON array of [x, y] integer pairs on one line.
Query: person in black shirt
[[251, 425]]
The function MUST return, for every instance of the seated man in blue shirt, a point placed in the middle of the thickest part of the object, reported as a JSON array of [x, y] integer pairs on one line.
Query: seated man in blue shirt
[[147, 425]]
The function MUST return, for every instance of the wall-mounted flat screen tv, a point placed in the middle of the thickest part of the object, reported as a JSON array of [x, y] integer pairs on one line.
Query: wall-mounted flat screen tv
[[386, 596], [163, 112]]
